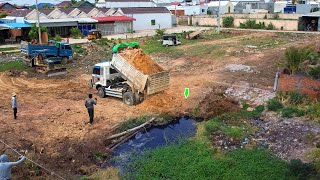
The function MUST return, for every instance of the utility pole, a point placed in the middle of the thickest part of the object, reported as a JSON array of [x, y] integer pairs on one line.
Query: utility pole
[[219, 18], [38, 22]]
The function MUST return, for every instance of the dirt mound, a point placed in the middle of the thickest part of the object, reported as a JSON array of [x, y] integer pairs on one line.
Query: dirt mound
[[215, 103], [140, 60]]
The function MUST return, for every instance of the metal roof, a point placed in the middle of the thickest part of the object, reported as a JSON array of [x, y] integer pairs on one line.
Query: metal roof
[[15, 25], [79, 20], [313, 14], [113, 18], [144, 10]]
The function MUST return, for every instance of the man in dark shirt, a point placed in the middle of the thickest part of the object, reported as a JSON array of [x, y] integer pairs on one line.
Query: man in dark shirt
[[89, 103]]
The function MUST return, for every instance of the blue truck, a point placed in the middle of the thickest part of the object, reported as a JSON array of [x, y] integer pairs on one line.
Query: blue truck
[[60, 51]]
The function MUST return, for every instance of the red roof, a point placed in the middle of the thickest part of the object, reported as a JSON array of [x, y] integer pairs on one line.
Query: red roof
[[175, 3], [113, 18]]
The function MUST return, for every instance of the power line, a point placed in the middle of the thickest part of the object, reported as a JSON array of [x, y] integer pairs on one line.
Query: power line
[[51, 172]]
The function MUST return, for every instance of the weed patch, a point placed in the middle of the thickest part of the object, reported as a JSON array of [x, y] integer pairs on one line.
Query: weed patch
[[17, 65], [195, 160], [289, 112], [274, 105], [8, 49]]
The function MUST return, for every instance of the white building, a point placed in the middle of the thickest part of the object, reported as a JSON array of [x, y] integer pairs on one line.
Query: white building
[[195, 10], [279, 6], [125, 3], [226, 7], [149, 18]]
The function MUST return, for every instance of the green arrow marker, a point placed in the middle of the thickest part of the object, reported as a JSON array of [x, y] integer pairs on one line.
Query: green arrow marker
[[186, 92]]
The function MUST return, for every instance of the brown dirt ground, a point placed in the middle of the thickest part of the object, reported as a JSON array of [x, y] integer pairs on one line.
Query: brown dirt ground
[[52, 118]]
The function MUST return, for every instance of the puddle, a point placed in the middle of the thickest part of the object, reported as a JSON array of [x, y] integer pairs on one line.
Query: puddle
[[152, 138]]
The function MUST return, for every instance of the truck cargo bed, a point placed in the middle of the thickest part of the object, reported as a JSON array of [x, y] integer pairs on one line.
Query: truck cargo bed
[[158, 82]]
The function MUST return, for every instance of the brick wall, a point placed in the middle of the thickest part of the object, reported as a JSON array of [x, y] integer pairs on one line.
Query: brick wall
[[302, 84]]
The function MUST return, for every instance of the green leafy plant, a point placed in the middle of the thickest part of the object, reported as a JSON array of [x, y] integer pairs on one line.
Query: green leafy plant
[[270, 26], [296, 98], [160, 32], [227, 21], [3, 14], [315, 73], [289, 112], [251, 24], [57, 38], [274, 105], [33, 33], [265, 17], [295, 56], [75, 32]]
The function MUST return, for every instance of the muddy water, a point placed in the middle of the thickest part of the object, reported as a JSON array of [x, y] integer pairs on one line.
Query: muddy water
[[155, 137]]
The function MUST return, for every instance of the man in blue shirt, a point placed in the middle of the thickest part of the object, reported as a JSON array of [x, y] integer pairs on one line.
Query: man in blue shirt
[[89, 103], [5, 166]]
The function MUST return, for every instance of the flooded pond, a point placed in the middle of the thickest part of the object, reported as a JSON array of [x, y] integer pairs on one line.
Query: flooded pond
[[152, 138]]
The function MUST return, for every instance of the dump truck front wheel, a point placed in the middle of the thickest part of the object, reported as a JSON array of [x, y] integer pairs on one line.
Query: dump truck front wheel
[[64, 60], [101, 92], [129, 99]]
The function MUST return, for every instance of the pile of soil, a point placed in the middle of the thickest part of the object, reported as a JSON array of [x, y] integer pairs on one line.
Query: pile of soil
[[141, 61], [215, 103]]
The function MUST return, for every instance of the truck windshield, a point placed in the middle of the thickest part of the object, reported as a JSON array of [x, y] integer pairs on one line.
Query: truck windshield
[[66, 47], [113, 71], [96, 71]]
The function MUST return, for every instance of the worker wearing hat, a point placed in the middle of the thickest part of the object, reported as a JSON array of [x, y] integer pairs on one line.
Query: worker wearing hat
[[14, 105]]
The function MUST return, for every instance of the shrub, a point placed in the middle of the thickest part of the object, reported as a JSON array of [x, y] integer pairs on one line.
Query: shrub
[[315, 73], [290, 112], [160, 32], [33, 33], [296, 98], [251, 24], [270, 26], [274, 105], [276, 16], [227, 21], [295, 56], [313, 112], [57, 38], [75, 32], [265, 17]]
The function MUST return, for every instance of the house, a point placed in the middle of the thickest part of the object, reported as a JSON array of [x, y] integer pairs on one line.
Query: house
[[7, 8], [61, 20], [162, 3], [83, 4], [305, 7], [226, 7], [279, 6], [148, 17], [114, 24], [177, 10], [125, 3], [64, 4], [310, 22], [253, 6], [195, 10]]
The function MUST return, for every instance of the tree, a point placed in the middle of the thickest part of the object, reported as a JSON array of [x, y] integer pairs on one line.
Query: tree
[[33, 33], [46, 6], [73, 1], [3, 14]]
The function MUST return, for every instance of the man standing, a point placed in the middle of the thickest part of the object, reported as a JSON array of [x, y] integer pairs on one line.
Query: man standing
[[14, 105], [89, 103], [5, 166]]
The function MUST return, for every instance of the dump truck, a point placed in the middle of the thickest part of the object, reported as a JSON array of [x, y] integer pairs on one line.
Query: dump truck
[[62, 50], [120, 78]]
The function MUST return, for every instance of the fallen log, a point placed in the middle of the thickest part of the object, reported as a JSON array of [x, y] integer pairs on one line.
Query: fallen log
[[122, 140], [131, 130]]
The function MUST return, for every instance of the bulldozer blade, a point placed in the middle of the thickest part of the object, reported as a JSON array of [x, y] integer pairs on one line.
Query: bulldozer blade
[[57, 72]]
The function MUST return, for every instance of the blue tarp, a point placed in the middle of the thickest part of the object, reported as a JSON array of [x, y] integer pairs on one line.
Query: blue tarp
[[15, 25]]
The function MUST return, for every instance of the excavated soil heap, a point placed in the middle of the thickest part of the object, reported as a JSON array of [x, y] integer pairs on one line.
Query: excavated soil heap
[[141, 61], [215, 103]]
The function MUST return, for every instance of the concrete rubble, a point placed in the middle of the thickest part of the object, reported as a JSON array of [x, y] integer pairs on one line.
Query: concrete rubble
[[239, 67]]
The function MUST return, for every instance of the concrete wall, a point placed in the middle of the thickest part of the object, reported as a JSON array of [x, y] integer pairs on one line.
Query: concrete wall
[[261, 16], [279, 24], [289, 25], [122, 27], [143, 21]]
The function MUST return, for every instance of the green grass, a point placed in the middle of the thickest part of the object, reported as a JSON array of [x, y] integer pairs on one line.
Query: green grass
[[206, 50], [154, 46], [18, 65], [195, 160], [132, 122], [8, 49], [274, 105]]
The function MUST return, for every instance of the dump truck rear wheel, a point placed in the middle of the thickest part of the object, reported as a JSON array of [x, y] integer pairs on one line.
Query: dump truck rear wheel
[[129, 99], [101, 92]]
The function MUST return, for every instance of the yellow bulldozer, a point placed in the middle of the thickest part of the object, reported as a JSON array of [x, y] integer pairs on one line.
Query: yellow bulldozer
[[46, 65]]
